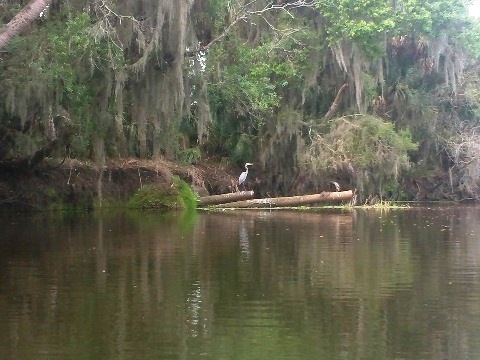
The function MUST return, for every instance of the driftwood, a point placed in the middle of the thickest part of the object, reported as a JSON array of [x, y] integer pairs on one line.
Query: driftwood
[[324, 196], [225, 198]]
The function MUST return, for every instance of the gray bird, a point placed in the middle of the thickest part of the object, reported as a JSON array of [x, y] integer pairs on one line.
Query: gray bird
[[243, 175], [336, 185]]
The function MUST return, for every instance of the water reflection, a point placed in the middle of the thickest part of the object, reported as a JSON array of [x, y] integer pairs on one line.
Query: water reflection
[[243, 285]]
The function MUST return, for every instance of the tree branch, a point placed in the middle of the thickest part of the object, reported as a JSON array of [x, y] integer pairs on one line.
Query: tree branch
[[20, 21], [336, 103], [243, 14]]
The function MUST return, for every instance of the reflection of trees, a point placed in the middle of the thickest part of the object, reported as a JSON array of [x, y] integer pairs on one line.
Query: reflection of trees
[[364, 284], [446, 254]]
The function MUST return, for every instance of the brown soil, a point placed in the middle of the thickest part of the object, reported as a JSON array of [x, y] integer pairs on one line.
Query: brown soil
[[79, 184]]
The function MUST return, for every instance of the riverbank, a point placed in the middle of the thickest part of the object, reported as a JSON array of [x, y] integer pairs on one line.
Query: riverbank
[[79, 185]]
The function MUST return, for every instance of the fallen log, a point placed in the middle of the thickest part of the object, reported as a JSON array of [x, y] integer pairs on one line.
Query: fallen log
[[225, 198], [324, 196]]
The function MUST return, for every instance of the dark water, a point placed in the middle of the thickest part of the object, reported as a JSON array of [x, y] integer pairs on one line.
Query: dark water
[[245, 285]]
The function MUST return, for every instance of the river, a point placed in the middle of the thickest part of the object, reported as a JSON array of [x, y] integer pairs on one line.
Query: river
[[366, 284]]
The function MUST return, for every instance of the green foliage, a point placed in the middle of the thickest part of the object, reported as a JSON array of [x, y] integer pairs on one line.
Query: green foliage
[[366, 142], [413, 17], [247, 93], [447, 16], [61, 63], [253, 77], [470, 108], [364, 22], [242, 149], [190, 155], [188, 197], [62, 54], [164, 197], [365, 146], [76, 61], [469, 38], [244, 82], [210, 18]]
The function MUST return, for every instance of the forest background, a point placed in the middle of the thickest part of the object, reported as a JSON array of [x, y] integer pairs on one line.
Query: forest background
[[381, 96]]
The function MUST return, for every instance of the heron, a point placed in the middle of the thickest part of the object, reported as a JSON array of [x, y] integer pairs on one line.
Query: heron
[[336, 185], [243, 175]]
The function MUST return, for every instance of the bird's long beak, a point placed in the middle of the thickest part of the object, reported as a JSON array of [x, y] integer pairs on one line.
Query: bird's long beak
[[248, 164]]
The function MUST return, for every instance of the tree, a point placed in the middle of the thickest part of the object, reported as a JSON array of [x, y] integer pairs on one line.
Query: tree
[[238, 79]]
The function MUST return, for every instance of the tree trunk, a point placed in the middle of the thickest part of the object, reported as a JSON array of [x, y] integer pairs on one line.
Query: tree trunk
[[20, 21], [324, 196], [42, 153], [225, 198], [8, 138]]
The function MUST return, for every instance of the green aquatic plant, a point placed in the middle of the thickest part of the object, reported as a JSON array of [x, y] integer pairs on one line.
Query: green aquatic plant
[[169, 196]]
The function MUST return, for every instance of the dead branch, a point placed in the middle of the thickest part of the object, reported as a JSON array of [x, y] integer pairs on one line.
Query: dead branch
[[105, 27], [336, 103]]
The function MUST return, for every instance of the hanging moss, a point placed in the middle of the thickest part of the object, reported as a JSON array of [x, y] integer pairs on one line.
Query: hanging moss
[[174, 196], [369, 148]]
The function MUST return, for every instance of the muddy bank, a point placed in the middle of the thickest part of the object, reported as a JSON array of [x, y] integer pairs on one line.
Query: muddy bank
[[81, 185]]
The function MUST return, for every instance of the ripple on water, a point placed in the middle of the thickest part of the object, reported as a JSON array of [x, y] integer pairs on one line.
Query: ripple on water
[[248, 313]]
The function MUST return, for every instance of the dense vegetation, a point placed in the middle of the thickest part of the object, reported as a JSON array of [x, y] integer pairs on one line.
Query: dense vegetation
[[383, 95]]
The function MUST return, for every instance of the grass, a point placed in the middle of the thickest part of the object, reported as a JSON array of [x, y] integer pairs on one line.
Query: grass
[[385, 205]]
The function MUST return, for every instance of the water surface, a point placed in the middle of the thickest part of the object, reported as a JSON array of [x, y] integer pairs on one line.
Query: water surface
[[242, 285]]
